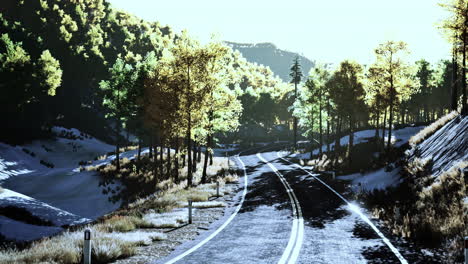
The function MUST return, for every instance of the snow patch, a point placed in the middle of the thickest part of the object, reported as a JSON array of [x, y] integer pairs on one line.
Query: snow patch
[[399, 138], [375, 180], [14, 230], [174, 218], [40, 209]]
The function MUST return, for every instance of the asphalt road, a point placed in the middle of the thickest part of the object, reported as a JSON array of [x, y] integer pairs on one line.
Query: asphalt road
[[288, 216]]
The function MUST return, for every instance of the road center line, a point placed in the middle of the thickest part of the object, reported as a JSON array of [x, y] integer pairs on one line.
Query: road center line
[[291, 253], [355, 209]]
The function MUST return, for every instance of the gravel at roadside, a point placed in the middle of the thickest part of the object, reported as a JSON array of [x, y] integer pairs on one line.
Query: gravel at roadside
[[202, 219]]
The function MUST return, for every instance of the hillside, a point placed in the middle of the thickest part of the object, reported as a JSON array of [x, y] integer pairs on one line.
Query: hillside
[[268, 54], [430, 203], [445, 148]]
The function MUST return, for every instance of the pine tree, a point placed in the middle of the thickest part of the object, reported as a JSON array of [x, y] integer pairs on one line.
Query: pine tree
[[396, 80], [316, 84], [296, 76], [348, 95], [456, 27], [117, 99]]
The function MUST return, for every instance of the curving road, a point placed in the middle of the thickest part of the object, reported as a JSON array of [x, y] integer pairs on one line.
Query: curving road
[[285, 214]]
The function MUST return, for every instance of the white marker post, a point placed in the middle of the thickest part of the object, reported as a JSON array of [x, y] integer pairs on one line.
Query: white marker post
[[190, 211], [87, 247], [217, 189], [333, 172], [466, 250]]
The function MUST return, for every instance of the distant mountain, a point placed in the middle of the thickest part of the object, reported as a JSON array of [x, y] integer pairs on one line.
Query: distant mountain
[[268, 54]]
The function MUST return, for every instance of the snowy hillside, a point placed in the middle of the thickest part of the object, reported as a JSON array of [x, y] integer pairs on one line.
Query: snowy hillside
[[42, 178], [446, 147], [399, 138]]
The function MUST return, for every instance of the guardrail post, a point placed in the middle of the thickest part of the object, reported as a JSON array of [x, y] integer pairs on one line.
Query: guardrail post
[[466, 250], [190, 211], [87, 247]]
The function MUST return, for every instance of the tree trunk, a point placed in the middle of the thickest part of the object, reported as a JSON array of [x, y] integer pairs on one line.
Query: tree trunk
[[211, 157], [320, 126], [328, 125], [117, 157], [139, 155], [117, 150], [454, 96], [312, 137], [390, 119], [464, 106], [151, 148], [194, 162], [161, 154], [337, 139], [199, 154], [294, 118], [161, 158], [176, 161], [205, 162], [377, 123], [384, 127], [155, 165], [189, 151], [168, 161], [351, 140]]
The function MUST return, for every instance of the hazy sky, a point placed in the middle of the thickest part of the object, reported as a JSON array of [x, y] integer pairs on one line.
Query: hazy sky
[[325, 30]]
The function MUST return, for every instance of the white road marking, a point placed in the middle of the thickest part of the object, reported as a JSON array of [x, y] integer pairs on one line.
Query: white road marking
[[203, 242], [291, 253], [355, 209]]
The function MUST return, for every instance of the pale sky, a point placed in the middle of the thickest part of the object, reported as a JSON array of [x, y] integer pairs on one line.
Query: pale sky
[[326, 30]]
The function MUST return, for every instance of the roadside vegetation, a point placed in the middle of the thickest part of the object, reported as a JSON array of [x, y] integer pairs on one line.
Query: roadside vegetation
[[140, 222], [429, 209]]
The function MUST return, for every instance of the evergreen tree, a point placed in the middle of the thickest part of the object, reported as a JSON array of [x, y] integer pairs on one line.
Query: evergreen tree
[[397, 83], [117, 98], [348, 94], [296, 76]]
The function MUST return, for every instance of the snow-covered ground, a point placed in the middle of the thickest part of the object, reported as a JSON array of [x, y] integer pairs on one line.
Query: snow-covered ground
[[62, 194], [399, 138], [379, 179], [375, 180]]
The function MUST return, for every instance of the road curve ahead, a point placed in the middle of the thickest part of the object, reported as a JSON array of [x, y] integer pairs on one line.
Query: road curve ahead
[[287, 216], [259, 233]]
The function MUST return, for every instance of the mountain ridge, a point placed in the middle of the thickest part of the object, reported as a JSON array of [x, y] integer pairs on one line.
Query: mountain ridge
[[269, 54]]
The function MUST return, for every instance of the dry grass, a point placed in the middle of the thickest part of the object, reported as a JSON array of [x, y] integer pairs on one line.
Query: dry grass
[[102, 157], [419, 169], [231, 178], [120, 223], [166, 220], [432, 128], [67, 247], [118, 236], [440, 210], [430, 210], [128, 148]]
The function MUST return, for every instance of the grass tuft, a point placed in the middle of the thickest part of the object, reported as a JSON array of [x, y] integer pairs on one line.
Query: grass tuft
[[432, 128]]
